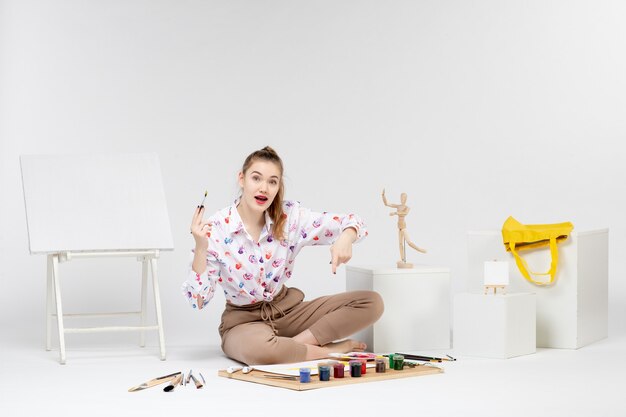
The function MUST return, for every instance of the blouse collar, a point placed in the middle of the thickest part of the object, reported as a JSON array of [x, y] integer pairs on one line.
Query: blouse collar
[[234, 224]]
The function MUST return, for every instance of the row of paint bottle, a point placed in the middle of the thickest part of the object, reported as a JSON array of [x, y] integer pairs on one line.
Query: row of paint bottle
[[358, 367]]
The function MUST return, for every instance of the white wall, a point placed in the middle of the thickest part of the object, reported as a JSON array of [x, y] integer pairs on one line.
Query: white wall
[[477, 110]]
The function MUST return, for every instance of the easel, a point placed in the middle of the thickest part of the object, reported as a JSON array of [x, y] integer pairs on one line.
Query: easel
[[495, 289], [53, 294], [496, 276], [96, 206]]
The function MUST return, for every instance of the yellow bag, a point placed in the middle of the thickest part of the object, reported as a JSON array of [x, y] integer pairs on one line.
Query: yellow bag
[[517, 236]]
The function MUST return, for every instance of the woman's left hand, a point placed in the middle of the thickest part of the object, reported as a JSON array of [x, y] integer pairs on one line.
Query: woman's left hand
[[341, 250]]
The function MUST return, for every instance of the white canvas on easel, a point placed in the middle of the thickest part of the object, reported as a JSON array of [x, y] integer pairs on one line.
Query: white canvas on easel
[[96, 206], [496, 276], [496, 273]]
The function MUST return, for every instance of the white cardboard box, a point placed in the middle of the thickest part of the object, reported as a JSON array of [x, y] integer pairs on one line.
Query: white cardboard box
[[494, 326], [574, 311], [417, 307]]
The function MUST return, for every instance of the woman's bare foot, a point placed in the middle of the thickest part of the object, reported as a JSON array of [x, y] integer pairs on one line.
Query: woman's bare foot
[[345, 346], [319, 352]]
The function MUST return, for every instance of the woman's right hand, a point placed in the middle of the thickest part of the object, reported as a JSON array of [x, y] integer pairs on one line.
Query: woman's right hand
[[200, 229]]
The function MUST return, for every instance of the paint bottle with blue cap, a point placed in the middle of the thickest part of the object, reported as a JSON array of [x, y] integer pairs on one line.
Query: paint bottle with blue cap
[[305, 375], [324, 372]]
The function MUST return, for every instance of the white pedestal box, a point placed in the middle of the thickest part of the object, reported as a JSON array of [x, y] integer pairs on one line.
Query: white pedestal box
[[494, 326], [417, 307], [571, 313]]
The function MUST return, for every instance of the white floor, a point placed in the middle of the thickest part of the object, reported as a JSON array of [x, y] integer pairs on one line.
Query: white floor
[[586, 382]]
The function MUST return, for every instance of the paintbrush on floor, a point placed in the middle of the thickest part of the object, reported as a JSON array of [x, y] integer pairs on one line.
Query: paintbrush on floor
[[174, 383], [195, 381]]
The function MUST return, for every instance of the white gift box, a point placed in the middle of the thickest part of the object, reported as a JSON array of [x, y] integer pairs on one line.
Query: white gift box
[[494, 326], [571, 313], [417, 307]]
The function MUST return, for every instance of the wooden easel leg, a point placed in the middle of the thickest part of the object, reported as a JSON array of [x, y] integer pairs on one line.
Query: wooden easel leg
[[144, 290], [157, 302], [59, 307]]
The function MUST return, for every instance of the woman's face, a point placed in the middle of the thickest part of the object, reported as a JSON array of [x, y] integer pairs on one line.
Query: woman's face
[[260, 184]]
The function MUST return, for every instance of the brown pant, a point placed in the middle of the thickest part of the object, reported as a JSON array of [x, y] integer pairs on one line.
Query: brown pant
[[262, 333]]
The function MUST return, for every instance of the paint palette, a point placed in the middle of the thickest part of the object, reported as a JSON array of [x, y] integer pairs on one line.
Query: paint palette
[[354, 355], [293, 383]]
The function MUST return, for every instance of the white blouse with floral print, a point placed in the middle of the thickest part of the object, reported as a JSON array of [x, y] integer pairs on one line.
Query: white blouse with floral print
[[250, 271]]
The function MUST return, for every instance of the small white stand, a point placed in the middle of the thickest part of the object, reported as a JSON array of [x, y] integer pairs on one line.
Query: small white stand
[[53, 295], [501, 326]]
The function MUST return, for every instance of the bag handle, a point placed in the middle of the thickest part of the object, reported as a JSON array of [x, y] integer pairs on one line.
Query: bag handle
[[523, 266]]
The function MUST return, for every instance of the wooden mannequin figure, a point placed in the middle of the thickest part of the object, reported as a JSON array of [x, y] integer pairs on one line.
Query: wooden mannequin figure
[[401, 211]]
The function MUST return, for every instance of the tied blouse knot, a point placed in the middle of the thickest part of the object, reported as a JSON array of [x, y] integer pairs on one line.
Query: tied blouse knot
[[251, 272]]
